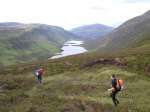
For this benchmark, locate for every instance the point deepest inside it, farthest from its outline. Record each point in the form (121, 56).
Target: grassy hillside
(130, 34)
(78, 84)
(27, 42)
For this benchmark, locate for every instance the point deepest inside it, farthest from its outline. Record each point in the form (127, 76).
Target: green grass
(9, 56)
(68, 86)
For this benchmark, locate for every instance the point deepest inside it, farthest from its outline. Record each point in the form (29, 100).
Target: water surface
(71, 48)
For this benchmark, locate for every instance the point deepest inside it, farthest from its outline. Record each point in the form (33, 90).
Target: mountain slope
(92, 31)
(26, 42)
(133, 33)
(77, 84)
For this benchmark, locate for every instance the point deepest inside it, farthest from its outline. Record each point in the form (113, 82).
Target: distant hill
(135, 33)
(25, 42)
(11, 25)
(92, 31)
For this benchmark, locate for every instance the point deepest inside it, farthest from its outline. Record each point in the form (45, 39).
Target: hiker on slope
(116, 87)
(39, 73)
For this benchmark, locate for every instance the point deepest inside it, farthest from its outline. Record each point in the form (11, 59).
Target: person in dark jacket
(114, 90)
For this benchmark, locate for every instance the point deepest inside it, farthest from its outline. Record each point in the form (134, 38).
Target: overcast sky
(71, 13)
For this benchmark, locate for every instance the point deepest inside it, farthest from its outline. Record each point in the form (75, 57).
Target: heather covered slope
(28, 42)
(78, 83)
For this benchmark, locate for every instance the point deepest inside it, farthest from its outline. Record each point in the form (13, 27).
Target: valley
(23, 43)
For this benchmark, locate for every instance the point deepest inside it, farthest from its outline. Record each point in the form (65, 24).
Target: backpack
(119, 84)
(41, 71)
(36, 73)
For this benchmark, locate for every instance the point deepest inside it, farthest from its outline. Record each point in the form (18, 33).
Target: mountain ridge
(92, 31)
(129, 34)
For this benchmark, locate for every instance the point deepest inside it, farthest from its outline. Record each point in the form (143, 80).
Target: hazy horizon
(72, 13)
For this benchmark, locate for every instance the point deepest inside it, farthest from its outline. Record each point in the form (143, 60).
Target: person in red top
(40, 74)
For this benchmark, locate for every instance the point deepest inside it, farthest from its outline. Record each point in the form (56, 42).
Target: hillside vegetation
(133, 33)
(78, 84)
(28, 42)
